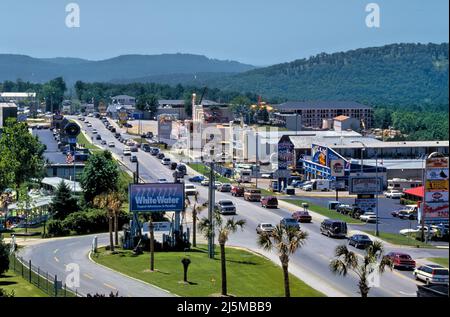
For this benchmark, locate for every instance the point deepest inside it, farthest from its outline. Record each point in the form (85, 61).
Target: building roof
(416, 191)
(55, 181)
(341, 118)
(122, 97)
(171, 102)
(375, 143)
(303, 105)
(18, 94)
(8, 105)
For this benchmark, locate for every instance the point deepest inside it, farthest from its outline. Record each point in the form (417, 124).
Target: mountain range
(396, 74)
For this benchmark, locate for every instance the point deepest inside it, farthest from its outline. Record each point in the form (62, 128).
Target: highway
(310, 263)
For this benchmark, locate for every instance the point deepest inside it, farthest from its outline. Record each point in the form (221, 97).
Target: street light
(377, 232)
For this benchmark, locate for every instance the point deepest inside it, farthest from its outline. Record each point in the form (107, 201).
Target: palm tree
(112, 202)
(286, 240)
(373, 262)
(223, 229)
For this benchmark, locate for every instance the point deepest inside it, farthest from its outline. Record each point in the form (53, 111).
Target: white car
(111, 144)
(126, 151)
(308, 187)
(368, 217)
(165, 161)
(432, 274)
(190, 190)
(130, 143)
(94, 131)
(205, 182)
(89, 125)
(417, 231)
(393, 194)
(265, 228)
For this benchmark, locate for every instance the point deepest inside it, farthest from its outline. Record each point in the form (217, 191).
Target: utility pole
(377, 232)
(211, 199)
(152, 245)
(257, 159)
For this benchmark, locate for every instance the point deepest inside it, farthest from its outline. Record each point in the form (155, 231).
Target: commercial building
(7, 110)
(314, 112)
(17, 96)
(124, 100)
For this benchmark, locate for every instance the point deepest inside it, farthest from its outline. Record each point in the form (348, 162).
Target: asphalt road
(52, 153)
(310, 263)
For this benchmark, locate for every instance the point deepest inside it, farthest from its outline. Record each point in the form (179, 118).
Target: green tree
(100, 175)
(147, 102)
(4, 257)
(112, 202)
(63, 203)
(223, 230)
(240, 106)
(21, 154)
(53, 92)
(374, 262)
(286, 240)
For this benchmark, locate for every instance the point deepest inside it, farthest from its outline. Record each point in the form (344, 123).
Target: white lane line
(56, 259)
(56, 250)
(407, 294)
(109, 286)
(88, 276)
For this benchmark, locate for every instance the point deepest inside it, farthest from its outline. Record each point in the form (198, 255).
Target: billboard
(437, 196)
(437, 162)
(165, 126)
(436, 210)
(319, 154)
(365, 185)
(285, 154)
(157, 226)
(432, 185)
(437, 174)
(435, 206)
(156, 197)
(366, 204)
(337, 168)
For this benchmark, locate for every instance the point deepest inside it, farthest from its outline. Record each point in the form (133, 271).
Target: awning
(416, 191)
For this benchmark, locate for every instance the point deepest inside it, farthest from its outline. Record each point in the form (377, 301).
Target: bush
(56, 228)
(78, 222)
(4, 257)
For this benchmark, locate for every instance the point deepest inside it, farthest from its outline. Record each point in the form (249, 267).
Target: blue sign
(156, 197)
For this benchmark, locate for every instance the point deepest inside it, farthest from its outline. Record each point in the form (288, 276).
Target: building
(87, 108)
(17, 96)
(124, 100)
(172, 107)
(290, 121)
(342, 123)
(113, 111)
(314, 112)
(7, 110)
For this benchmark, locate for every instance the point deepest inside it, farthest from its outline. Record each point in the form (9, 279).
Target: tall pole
(377, 232)
(152, 245)
(257, 159)
(422, 205)
(210, 211)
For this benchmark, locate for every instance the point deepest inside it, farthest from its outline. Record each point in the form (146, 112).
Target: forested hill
(397, 74)
(26, 68)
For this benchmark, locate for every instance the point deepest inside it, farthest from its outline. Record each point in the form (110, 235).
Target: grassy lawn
(440, 261)
(248, 274)
(10, 281)
(22, 230)
(324, 211)
(400, 239)
(81, 139)
(204, 170)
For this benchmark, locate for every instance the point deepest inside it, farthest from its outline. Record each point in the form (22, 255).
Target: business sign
(337, 168)
(437, 174)
(436, 210)
(165, 126)
(319, 154)
(123, 115)
(437, 196)
(365, 185)
(156, 197)
(439, 185)
(157, 227)
(367, 204)
(437, 162)
(285, 154)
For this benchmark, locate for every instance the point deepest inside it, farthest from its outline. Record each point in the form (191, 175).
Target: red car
(302, 216)
(269, 202)
(402, 260)
(237, 191)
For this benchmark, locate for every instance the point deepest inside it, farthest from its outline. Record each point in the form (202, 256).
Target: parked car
(401, 260)
(393, 194)
(196, 179)
(307, 187)
(98, 137)
(94, 131)
(205, 182)
(190, 190)
(333, 228)
(404, 214)
(126, 151)
(146, 147)
(289, 223)
(133, 158)
(181, 168)
(116, 135)
(173, 165)
(360, 241)
(224, 188)
(368, 217)
(302, 216)
(103, 142)
(111, 144)
(217, 185)
(162, 180)
(154, 151)
(252, 194)
(265, 228)
(226, 207)
(237, 191)
(269, 202)
(160, 156)
(432, 274)
(165, 161)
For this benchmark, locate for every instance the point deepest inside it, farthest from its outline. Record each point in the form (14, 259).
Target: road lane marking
(56, 250)
(413, 280)
(56, 259)
(407, 294)
(88, 276)
(110, 286)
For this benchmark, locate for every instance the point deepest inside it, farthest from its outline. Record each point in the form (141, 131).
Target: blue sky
(259, 32)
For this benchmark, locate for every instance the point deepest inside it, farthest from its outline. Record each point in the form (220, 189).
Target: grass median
(440, 261)
(249, 274)
(324, 211)
(204, 170)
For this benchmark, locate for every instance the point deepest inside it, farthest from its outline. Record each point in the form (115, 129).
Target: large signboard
(337, 168)
(435, 206)
(365, 185)
(165, 126)
(366, 204)
(319, 154)
(285, 154)
(156, 197)
(157, 227)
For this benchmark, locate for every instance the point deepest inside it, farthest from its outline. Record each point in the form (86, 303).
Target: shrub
(4, 257)
(56, 228)
(78, 222)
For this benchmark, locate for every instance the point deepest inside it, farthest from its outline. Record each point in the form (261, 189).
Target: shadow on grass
(7, 283)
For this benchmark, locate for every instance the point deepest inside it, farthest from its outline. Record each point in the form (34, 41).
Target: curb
(130, 277)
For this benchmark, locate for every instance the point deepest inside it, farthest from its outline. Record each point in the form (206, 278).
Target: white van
(244, 176)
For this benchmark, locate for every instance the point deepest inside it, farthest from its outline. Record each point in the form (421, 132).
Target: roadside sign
(437, 162)
(437, 174)
(365, 185)
(157, 226)
(436, 196)
(367, 204)
(435, 185)
(156, 197)
(436, 210)
(337, 168)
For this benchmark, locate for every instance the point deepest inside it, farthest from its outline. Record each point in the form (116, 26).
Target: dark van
(334, 228)
(182, 169)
